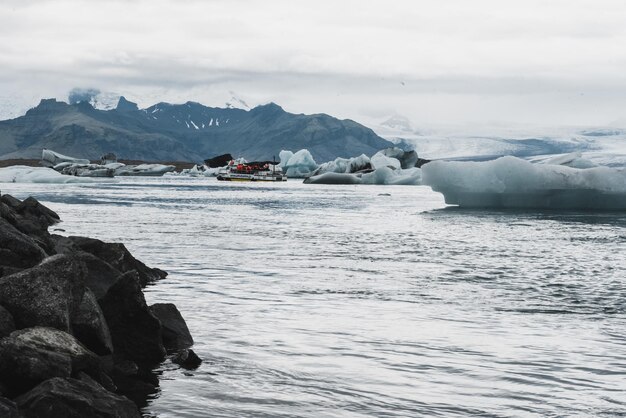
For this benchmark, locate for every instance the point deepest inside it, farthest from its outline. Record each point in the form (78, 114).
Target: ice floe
(24, 174)
(301, 164)
(510, 182)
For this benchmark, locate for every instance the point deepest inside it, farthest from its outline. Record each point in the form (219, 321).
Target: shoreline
(77, 337)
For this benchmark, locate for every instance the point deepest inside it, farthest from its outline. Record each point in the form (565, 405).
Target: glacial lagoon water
(354, 301)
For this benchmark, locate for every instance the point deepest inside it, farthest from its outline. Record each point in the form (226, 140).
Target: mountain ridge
(188, 132)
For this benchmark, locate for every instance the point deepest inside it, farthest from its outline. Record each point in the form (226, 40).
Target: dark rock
(10, 201)
(53, 340)
(187, 359)
(90, 327)
(7, 325)
(8, 408)
(22, 366)
(7, 214)
(136, 388)
(100, 274)
(34, 220)
(72, 398)
(176, 335)
(16, 249)
(219, 161)
(31, 207)
(421, 161)
(135, 331)
(113, 253)
(45, 295)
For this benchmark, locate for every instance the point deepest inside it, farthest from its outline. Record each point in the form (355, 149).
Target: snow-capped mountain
(180, 132)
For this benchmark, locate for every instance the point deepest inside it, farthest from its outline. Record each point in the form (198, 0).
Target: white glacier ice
(50, 158)
(510, 182)
(345, 165)
(301, 164)
(380, 160)
(24, 174)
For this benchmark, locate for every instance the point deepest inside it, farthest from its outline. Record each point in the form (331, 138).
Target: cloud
(330, 56)
(77, 95)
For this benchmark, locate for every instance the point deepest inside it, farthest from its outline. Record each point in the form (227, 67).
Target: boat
(252, 171)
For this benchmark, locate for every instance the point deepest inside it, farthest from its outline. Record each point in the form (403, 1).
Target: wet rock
(8, 408)
(176, 335)
(53, 340)
(187, 359)
(7, 325)
(137, 388)
(100, 274)
(31, 208)
(45, 295)
(72, 398)
(135, 331)
(114, 254)
(22, 366)
(17, 249)
(90, 327)
(10, 201)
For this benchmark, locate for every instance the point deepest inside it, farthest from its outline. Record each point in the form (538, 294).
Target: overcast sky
(543, 62)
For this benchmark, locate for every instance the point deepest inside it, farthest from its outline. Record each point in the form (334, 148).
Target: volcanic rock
(45, 295)
(176, 335)
(72, 398)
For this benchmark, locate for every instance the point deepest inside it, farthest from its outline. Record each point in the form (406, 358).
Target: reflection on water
(314, 301)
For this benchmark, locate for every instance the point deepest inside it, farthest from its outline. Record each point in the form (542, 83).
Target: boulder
(100, 274)
(135, 331)
(53, 340)
(114, 254)
(7, 325)
(72, 398)
(34, 220)
(8, 408)
(23, 366)
(176, 335)
(187, 359)
(90, 327)
(17, 249)
(10, 201)
(45, 295)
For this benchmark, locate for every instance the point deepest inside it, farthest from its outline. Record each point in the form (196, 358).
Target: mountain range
(180, 132)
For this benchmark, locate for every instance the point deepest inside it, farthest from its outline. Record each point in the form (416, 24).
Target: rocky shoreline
(77, 338)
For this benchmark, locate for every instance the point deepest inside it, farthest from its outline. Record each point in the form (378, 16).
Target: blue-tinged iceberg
(510, 182)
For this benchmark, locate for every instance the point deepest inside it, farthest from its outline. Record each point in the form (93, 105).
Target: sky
(483, 62)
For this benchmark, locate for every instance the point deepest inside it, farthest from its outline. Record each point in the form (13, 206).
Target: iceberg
(50, 158)
(301, 164)
(144, 170)
(24, 174)
(391, 166)
(333, 178)
(345, 165)
(510, 182)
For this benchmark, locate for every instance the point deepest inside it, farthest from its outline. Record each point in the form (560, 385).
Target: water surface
(353, 301)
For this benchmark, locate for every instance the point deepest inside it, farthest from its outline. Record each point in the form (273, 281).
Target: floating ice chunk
(301, 164)
(24, 174)
(380, 160)
(345, 165)
(510, 182)
(144, 170)
(407, 159)
(50, 158)
(333, 178)
(386, 175)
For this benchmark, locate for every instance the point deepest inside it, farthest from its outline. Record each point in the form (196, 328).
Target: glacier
(511, 182)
